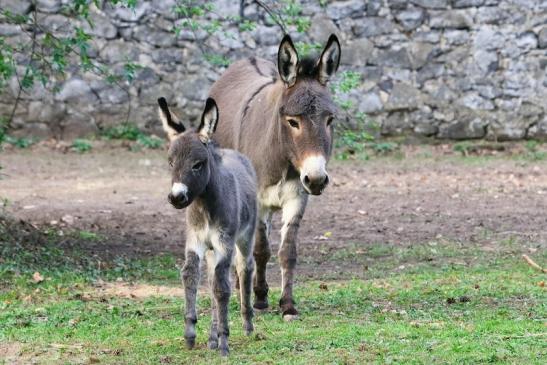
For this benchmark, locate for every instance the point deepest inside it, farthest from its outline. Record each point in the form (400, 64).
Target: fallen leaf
(37, 278)
(323, 286)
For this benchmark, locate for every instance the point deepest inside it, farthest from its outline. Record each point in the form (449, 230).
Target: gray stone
(488, 91)
(194, 88)
(373, 7)
(343, 9)
(165, 8)
(369, 27)
(491, 15)
(391, 58)
(488, 38)
(419, 54)
(486, 61)
(430, 37)
(431, 4)
(527, 41)
(16, 6)
(38, 111)
(370, 103)
(59, 24)
(472, 129)
(474, 101)
(542, 38)
(397, 4)
(48, 6)
(167, 55)
(119, 51)
(146, 77)
(268, 36)
(459, 19)
(77, 91)
(102, 26)
(9, 29)
(78, 125)
(37, 131)
(507, 127)
(411, 18)
(131, 15)
(456, 37)
(149, 95)
(109, 94)
(538, 130)
(152, 36)
(430, 71)
(466, 3)
(321, 28)
(357, 52)
(403, 96)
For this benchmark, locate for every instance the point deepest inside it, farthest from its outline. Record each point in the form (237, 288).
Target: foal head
(306, 111)
(189, 153)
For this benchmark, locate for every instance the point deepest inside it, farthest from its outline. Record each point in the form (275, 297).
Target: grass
(452, 310)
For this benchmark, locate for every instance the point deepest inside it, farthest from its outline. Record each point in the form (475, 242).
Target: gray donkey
(219, 188)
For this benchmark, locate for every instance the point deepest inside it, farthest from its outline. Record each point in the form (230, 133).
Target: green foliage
(151, 142)
(125, 131)
(19, 142)
(462, 147)
(384, 148)
(534, 152)
(81, 145)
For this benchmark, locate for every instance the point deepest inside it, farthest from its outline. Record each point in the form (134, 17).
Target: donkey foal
(219, 188)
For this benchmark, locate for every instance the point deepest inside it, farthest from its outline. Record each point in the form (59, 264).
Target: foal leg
(245, 268)
(293, 210)
(262, 253)
(190, 279)
(212, 343)
(221, 288)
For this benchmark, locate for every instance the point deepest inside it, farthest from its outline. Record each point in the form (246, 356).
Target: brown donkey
(281, 118)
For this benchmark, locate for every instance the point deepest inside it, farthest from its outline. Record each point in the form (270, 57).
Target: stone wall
(443, 68)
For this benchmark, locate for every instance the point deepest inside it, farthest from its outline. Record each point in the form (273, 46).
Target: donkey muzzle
(313, 175)
(178, 197)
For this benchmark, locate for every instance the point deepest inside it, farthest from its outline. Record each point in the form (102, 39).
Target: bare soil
(420, 197)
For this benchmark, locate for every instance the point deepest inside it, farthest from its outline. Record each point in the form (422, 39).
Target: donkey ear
(329, 60)
(171, 124)
(287, 61)
(209, 120)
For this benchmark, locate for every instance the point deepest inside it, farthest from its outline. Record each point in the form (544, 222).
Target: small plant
(462, 147)
(534, 152)
(81, 145)
(126, 131)
(86, 235)
(152, 142)
(19, 142)
(384, 148)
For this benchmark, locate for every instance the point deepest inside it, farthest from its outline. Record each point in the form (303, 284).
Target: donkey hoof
(212, 344)
(261, 305)
(224, 351)
(248, 329)
(190, 342)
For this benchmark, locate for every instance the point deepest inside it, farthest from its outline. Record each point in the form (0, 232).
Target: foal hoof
(190, 342)
(224, 351)
(212, 344)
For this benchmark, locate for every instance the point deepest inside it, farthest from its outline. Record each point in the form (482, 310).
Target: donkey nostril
(326, 180)
(306, 179)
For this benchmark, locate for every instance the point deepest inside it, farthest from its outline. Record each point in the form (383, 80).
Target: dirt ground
(425, 196)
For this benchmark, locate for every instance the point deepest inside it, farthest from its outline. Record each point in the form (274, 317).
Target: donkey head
(307, 110)
(189, 153)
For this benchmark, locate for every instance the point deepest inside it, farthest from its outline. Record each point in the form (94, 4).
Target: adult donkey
(281, 118)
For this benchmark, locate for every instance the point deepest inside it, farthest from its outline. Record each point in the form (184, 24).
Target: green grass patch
(459, 306)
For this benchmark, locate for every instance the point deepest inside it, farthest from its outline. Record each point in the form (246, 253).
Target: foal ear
(209, 120)
(287, 61)
(171, 124)
(329, 60)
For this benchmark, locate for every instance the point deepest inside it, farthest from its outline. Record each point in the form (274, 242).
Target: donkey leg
(245, 269)
(190, 278)
(212, 343)
(221, 289)
(262, 253)
(293, 210)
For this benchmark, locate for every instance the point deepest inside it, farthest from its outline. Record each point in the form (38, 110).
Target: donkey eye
(330, 120)
(293, 123)
(198, 165)
(170, 163)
